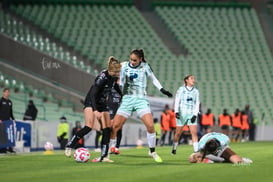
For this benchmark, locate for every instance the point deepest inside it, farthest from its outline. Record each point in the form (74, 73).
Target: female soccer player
(213, 147)
(186, 108)
(133, 81)
(95, 105)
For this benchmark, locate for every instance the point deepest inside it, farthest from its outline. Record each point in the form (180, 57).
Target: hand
(166, 92)
(193, 119)
(177, 115)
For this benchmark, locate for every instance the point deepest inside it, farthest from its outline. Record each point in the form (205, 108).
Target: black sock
(119, 136)
(105, 142)
(78, 136)
(152, 150)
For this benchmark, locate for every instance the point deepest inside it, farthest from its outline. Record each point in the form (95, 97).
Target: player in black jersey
(114, 100)
(95, 105)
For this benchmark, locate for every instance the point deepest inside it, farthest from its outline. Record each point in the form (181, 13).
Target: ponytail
(139, 53)
(113, 64)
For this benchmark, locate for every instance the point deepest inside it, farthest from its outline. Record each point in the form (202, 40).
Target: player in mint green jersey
(133, 82)
(186, 108)
(214, 147)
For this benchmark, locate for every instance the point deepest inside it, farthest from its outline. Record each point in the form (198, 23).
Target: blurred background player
(114, 100)
(62, 132)
(224, 121)
(6, 113)
(252, 125)
(157, 131)
(31, 111)
(208, 121)
(236, 126)
(172, 126)
(164, 124)
(186, 109)
(244, 127)
(95, 105)
(133, 81)
(215, 147)
(77, 128)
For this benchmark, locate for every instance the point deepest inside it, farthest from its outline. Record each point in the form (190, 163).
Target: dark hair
(186, 77)
(211, 147)
(139, 53)
(5, 89)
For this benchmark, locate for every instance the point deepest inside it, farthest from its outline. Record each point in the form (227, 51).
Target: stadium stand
(20, 32)
(50, 108)
(228, 52)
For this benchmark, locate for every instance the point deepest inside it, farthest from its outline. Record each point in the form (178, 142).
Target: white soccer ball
(81, 155)
(48, 146)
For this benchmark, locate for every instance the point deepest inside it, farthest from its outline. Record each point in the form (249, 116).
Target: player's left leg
(151, 135)
(193, 130)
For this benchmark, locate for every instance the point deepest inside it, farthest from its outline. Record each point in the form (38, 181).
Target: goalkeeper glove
(193, 119)
(166, 92)
(177, 115)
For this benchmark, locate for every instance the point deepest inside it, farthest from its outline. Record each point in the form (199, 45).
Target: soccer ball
(81, 155)
(48, 146)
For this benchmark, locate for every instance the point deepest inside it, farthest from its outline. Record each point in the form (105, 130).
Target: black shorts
(101, 105)
(224, 127)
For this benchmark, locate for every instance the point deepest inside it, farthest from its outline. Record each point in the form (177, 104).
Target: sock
(175, 144)
(105, 142)
(151, 139)
(195, 146)
(119, 136)
(112, 143)
(78, 136)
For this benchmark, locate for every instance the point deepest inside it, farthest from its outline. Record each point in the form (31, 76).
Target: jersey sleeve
(177, 99)
(197, 103)
(122, 76)
(152, 77)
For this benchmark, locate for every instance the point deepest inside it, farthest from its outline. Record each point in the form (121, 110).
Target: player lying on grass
(213, 147)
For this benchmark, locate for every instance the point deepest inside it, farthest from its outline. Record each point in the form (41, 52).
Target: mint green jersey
(187, 101)
(223, 139)
(133, 80)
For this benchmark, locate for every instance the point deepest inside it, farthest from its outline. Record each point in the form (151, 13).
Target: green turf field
(135, 165)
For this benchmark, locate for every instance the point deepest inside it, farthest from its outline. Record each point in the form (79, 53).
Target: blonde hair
(113, 64)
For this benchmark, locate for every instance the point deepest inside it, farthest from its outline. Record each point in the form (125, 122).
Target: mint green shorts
(130, 104)
(185, 119)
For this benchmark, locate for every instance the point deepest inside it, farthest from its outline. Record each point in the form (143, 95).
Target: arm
(177, 100)
(156, 83)
(197, 104)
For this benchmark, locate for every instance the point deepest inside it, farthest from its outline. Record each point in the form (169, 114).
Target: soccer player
(186, 108)
(95, 105)
(114, 100)
(133, 81)
(213, 147)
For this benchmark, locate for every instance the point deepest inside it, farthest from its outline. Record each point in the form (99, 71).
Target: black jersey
(6, 109)
(113, 102)
(100, 90)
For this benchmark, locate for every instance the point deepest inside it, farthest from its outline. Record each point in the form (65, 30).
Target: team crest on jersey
(133, 76)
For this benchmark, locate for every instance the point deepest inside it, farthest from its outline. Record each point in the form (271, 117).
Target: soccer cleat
(156, 157)
(114, 150)
(97, 150)
(247, 160)
(117, 152)
(173, 152)
(105, 159)
(67, 151)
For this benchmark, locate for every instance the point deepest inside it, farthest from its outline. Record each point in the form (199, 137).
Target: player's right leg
(118, 122)
(89, 121)
(176, 137)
